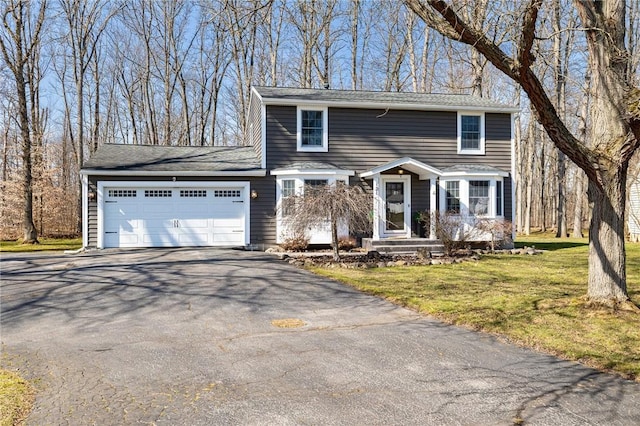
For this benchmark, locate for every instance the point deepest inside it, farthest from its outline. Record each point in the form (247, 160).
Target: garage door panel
(160, 217)
(194, 223)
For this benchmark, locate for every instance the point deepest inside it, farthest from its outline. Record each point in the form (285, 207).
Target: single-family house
(415, 152)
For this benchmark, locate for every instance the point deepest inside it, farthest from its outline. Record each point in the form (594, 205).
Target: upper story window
(470, 133)
(312, 129)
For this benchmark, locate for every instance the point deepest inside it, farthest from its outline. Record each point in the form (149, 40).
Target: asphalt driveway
(185, 337)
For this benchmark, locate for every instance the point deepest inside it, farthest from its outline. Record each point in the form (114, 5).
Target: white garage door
(174, 217)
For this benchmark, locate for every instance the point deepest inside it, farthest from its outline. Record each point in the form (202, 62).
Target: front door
(396, 196)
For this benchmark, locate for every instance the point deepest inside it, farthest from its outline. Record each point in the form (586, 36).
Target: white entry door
(396, 198)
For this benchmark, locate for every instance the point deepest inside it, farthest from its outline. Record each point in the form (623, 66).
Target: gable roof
(126, 159)
(361, 98)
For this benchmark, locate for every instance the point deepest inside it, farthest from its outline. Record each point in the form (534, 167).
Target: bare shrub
(298, 243)
(500, 232)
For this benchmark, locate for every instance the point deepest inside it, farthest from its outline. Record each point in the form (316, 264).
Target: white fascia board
(93, 172)
(85, 210)
(304, 172)
(383, 105)
(487, 174)
(423, 170)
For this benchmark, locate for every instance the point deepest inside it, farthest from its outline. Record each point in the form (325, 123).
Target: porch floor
(402, 245)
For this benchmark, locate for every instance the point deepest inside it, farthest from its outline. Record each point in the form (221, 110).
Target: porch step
(408, 246)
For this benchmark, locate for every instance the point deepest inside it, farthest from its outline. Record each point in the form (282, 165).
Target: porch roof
(424, 171)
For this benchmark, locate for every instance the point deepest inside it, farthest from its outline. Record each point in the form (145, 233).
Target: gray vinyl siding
(361, 139)
(255, 125)
(262, 217)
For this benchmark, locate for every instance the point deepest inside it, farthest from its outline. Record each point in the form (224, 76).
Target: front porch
(402, 245)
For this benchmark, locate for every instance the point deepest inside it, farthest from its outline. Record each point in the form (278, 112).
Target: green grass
(46, 244)
(16, 398)
(536, 301)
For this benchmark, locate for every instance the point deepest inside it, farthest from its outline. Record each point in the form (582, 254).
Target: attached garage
(170, 196)
(155, 214)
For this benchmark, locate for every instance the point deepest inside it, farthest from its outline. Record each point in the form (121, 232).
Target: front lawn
(16, 398)
(45, 245)
(536, 301)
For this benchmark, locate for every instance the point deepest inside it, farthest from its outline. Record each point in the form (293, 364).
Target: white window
(312, 129)
(288, 191)
(479, 197)
(472, 197)
(452, 197)
(471, 133)
(295, 184)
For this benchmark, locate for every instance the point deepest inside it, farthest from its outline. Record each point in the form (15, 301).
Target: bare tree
(20, 45)
(615, 118)
(336, 204)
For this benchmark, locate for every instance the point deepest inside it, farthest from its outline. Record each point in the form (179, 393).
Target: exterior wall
(361, 139)
(262, 209)
(254, 135)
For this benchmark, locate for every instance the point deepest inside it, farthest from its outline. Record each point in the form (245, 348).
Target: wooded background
(179, 73)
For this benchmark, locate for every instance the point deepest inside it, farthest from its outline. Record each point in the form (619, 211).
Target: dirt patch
(288, 323)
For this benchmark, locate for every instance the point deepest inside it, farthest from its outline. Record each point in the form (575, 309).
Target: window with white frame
(288, 191)
(471, 133)
(312, 129)
(479, 197)
(452, 198)
(290, 185)
(473, 197)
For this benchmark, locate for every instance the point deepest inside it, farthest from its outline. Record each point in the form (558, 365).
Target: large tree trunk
(607, 276)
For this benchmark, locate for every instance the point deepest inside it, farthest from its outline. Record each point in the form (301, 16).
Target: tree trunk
(607, 276)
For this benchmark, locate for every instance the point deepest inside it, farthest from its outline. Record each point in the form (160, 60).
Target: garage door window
(193, 192)
(227, 193)
(117, 193)
(157, 193)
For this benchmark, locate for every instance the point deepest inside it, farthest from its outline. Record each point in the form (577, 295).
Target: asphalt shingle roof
(422, 100)
(154, 158)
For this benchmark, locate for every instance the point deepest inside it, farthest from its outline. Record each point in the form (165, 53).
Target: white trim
(512, 179)
(387, 105)
(474, 174)
(325, 128)
(85, 210)
(263, 135)
(424, 171)
(464, 194)
(299, 182)
(245, 185)
(305, 172)
(481, 149)
(406, 180)
(260, 172)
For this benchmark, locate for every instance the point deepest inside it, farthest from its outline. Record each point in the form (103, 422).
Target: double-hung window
(472, 197)
(452, 199)
(288, 191)
(479, 197)
(470, 133)
(312, 129)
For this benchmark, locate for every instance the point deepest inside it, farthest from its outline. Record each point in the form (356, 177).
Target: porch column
(376, 207)
(432, 208)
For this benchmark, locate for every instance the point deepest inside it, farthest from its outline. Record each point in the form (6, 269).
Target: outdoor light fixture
(92, 195)
(254, 194)
(400, 172)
